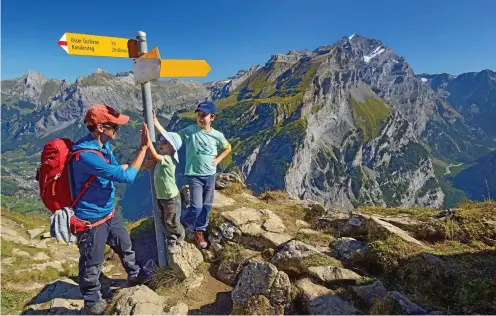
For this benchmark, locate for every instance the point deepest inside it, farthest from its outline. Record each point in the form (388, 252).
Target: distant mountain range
(346, 124)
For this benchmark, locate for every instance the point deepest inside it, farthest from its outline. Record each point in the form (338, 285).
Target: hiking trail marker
(94, 45)
(147, 67)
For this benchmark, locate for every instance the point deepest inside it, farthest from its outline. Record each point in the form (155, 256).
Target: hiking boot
(200, 239)
(94, 308)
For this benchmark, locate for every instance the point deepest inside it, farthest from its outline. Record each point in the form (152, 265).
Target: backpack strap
(88, 183)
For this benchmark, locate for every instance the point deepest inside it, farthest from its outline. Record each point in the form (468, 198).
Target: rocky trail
(273, 255)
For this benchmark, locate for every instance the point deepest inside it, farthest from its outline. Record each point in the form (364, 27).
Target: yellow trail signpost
(147, 67)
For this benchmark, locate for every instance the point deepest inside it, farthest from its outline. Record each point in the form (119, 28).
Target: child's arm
(223, 154)
(157, 124)
(151, 150)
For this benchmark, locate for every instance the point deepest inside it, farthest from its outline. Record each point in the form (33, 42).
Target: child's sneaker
(173, 247)
(200, 239)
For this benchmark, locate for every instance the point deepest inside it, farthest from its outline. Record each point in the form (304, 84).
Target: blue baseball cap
(207, 107)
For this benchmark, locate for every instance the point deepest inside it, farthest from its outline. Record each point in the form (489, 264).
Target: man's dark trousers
(92, 250)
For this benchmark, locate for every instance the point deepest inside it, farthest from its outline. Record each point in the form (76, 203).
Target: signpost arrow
(94, 45)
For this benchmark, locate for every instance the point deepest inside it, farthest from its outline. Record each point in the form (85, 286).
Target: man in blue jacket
(98, 202)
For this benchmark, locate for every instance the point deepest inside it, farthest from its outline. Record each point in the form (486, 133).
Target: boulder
(225, 180)
(243, 216)
(46, 235)
(274, 224)
(228, 271)
(408, 306)
(227, 230)
(302, 224)
(261, 279)
(291, 256)
(314, 210)
(348, 248)
(395, 231)
(138, 300)
(35, 232)
(179, 309)
(355, 227)
(332, 274)
(368, 293)
(274, 240)
(318, 300)
(250, 197)
(20, 253)
(220, 200)
(186, 260)
(61, 297)
(41, 256)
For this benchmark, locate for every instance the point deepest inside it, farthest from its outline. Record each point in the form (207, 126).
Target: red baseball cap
(101, 113)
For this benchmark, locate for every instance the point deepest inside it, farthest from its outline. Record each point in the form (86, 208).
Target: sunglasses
(111, 125)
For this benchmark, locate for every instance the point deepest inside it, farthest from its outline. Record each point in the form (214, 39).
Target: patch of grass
(316, 240)
(162, 277)
(214, 219)
(235, 188)
(365, 280)
(141, 227)
(12, 302)
(274, 196)
(8, 246)
(232, 252)
(417, 213)
(28, 221)
(318, 259)
(386, 306)
(369, 116)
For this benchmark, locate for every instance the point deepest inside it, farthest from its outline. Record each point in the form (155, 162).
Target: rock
(430, 258)
(179, 309)
(8, 260)
(41, 256)
(229, 271)
(354, 227)
(274, 240)
(227, 230)
(256, 305)
(61, 297)
(331, 274)
(280, 291)
(406, 223)
(290, 257)
(225, 180)
(368, 293)
(16, 239)
(35, 232)
(186, 260)
(268, 253)
(408, 306)
(250, 197)
(5, 230)
(319, 300)
(302, 224)
(348, 248)
(220, 200)
(20, 253)
(242, 216)
(215, 240)
(251, 229)
(193, 282)
(138, 300)
(46, 235)
(332, 222)
(261, 278)
(256, 278)
(107, 268)
(208, 255)
(274, 224)
(396, 231)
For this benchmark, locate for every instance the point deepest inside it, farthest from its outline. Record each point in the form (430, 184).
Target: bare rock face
(138, 300)
(186, 260)
(262, 279)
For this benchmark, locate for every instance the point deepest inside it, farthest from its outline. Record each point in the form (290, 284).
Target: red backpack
(54, 182)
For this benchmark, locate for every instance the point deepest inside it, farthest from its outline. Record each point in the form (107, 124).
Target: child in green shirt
(166, 191)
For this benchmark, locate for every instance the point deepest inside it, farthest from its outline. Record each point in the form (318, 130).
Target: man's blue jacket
(99, 200)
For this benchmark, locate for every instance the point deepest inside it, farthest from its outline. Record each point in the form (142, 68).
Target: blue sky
(435, 36)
